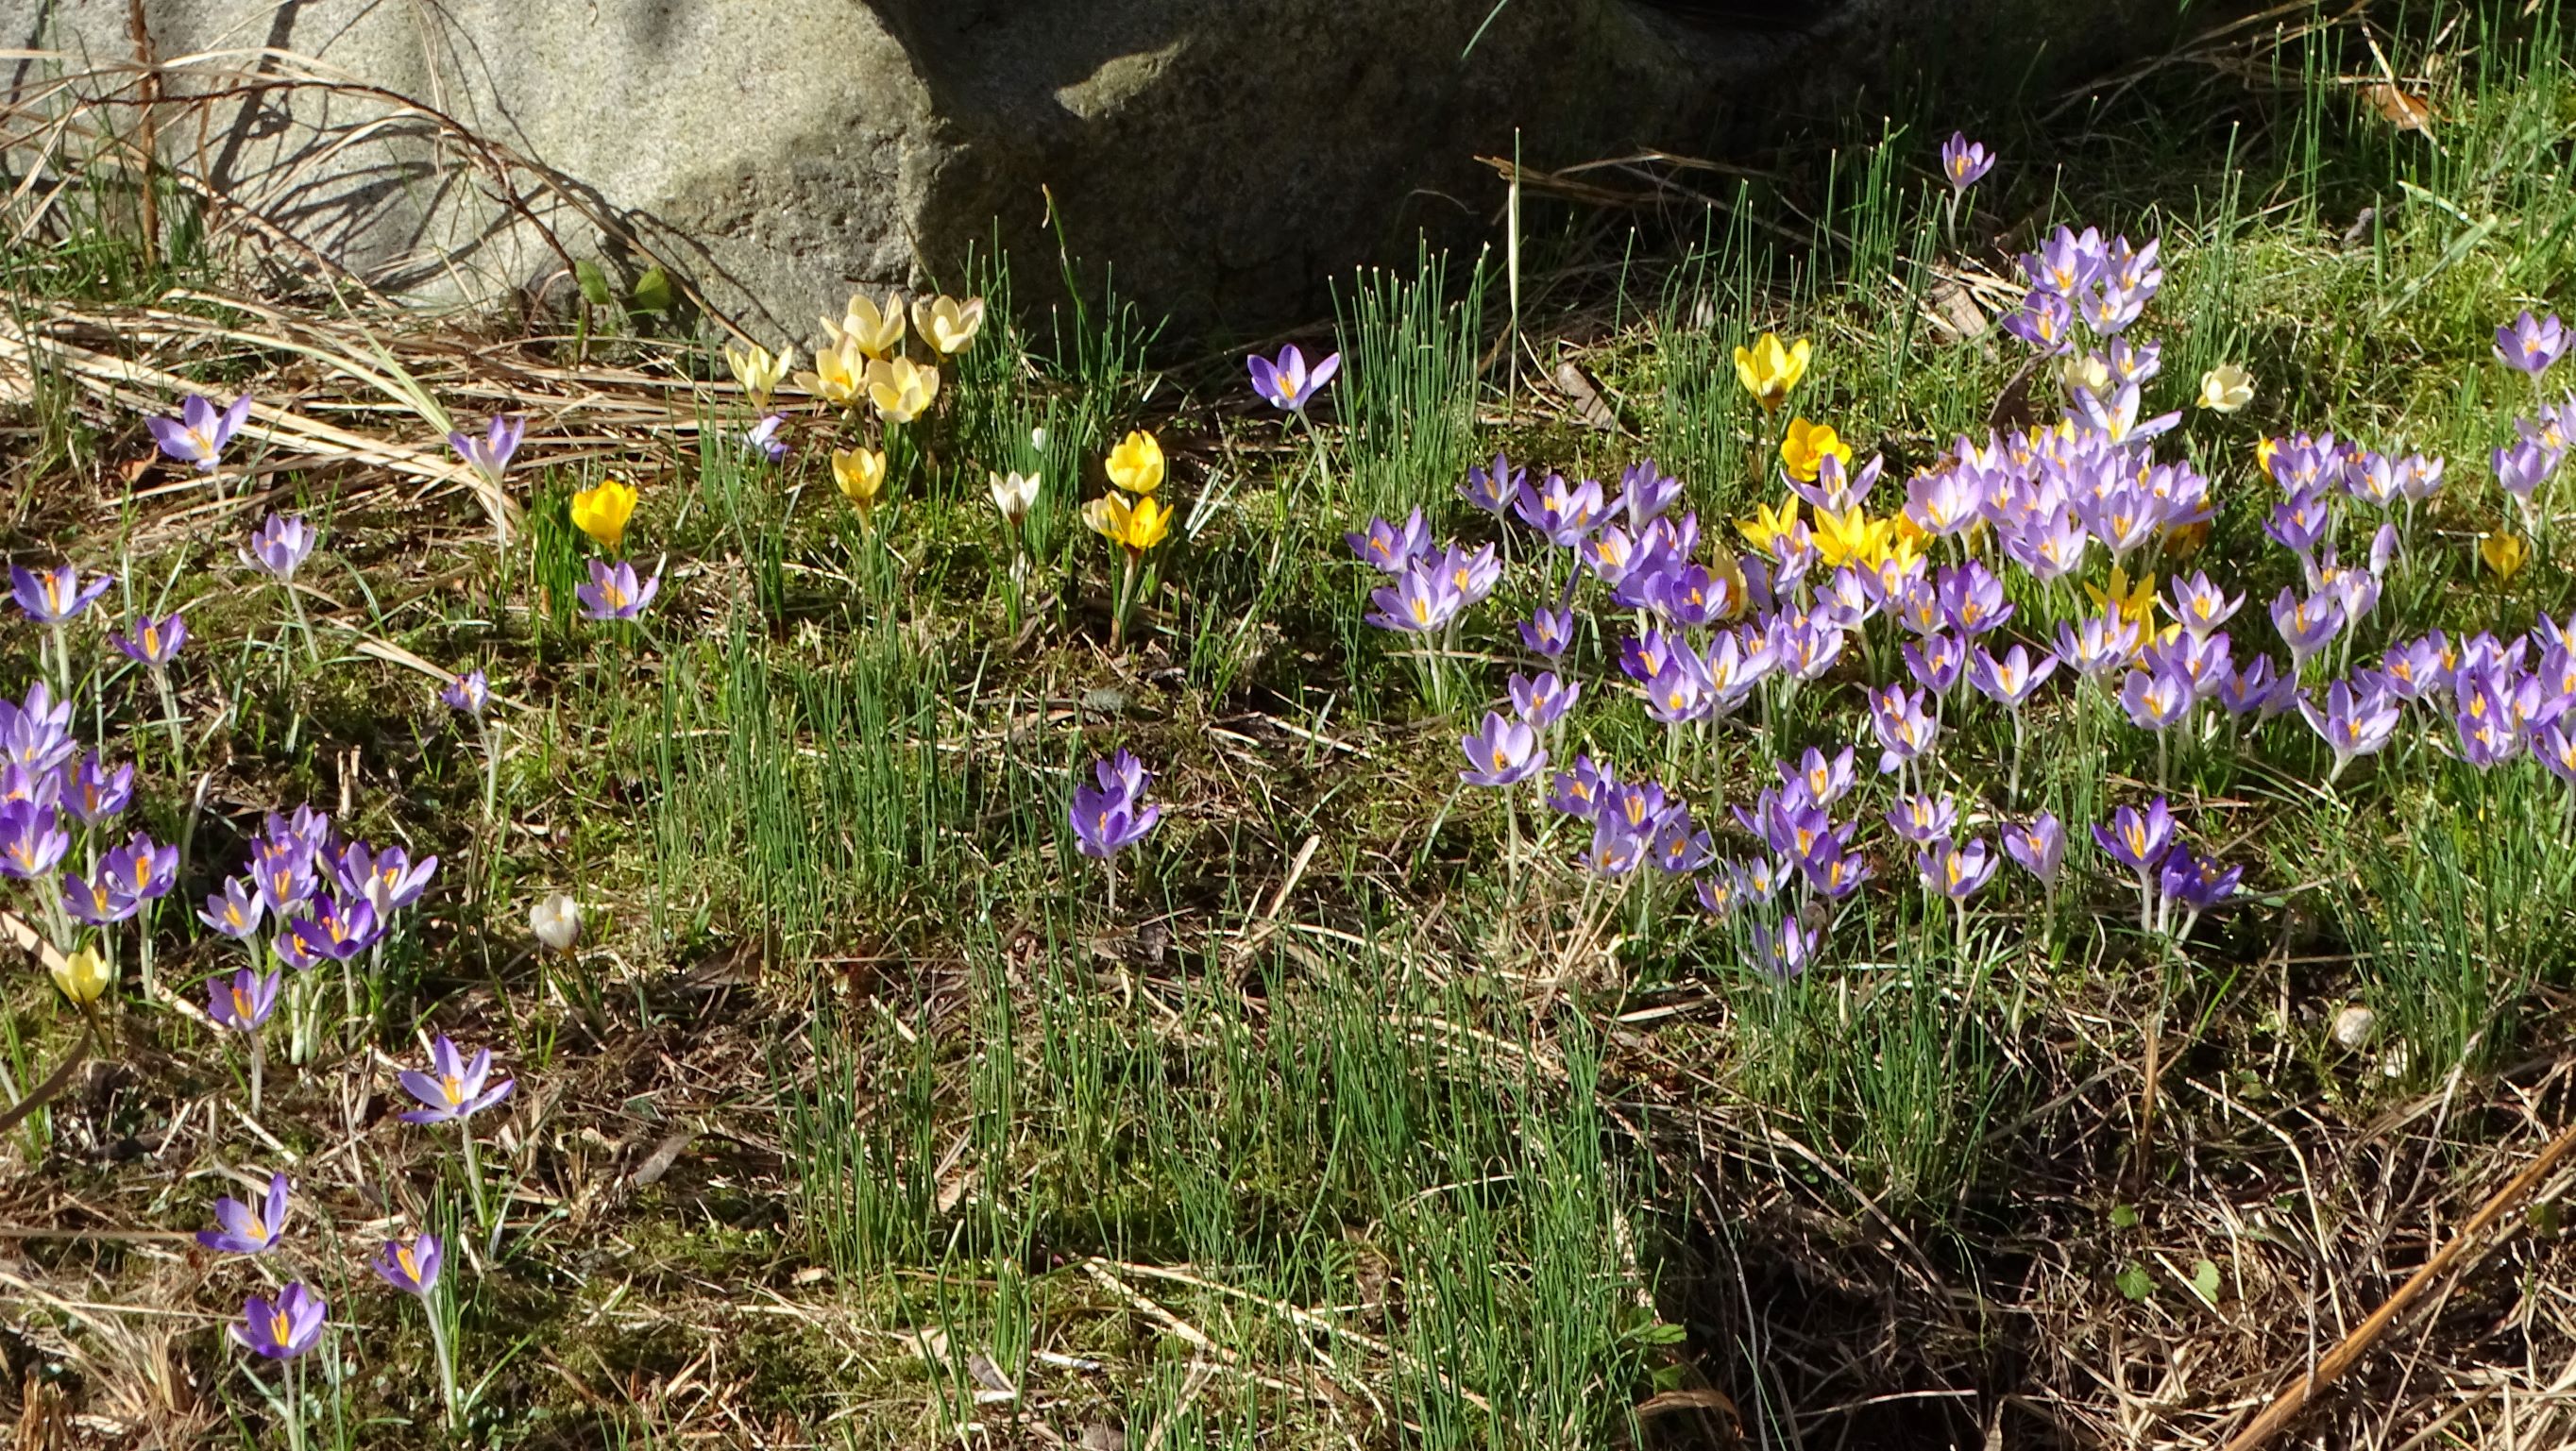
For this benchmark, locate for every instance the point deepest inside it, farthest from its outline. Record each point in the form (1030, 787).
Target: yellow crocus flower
(1768, 524)
(2503, 553)
(901, 389)
(1842, 538)
(602, 511)
(947, 324)
(758, 370)
(2264, 448)
(1136, 464)
(1148, 523)
(861, 474)
(840, 373)
(2136, 602)
(1768, 371)
(1803, 450)
(873, 330)
(84, 976)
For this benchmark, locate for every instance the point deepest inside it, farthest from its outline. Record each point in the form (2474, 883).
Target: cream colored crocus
(1136, 464)
(860, 473)
(758, 370)
(947, 324)
(84, 977)
(2087, 373)
(901, 389)
(556, 921)
(1014, 494)
(874, 329)
(840, 373)
(2226, 388)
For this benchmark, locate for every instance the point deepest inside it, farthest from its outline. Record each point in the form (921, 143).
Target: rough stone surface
(1224, 156)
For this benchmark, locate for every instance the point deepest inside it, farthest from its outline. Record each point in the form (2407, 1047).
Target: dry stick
(149, 84)
(2294, 1397)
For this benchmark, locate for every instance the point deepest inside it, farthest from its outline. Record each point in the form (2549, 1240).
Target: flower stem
(491, 770)
(63, 658)
(170, 716)
(446, 1360)
(258, 1062)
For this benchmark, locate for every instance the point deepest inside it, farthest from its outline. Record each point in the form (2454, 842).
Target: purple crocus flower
(2530, 345)
(411, 1268)
(2011, 681)
(762, 437)
(614, 593)
(54, 596)
(2198, 661)
(2039, 846)
(2138, 839)
(280, 546)
(329, 930)
(2197, 884)
(454, 1088)
(1579, 792)
(1547, 632)
(2097, 644)
(153, 642)
(2416, 668)
(2306, 625)
(236, 910)
(1936, 662)
(2257, 689)
(283, 871)
(1493, 489)
(244, 1229)
(2200, 606)
(469, 693)
(1905, 732)
(32, 840)
(1505, 753)
(2298, 522)
(2044, 320)
(1923, 819)
(2521, 469)
(2484, 719)
(2352, 723)
(1421, 601)
(1123, 775)
(1617, 848)
(1823, 779)
(198, 435)
(1288, 383)
(1108, 822)
(1640, 806)
(2556, 750)
(243, 1001)
(1645, 492)
(1963, 161)
(1972, 598)
(1389, 549)
(1782, 951)
(490, 454)
(94, 794)
(387, 880)
(1833, 872)
(96, 903)
(284, 1329)
(1945, 502)
(1718, 892)
(1543, 700)
(1563, 512)
(2155, 700)
(1956, 872)
(1679, 847)
(143, 869)
(37, 734)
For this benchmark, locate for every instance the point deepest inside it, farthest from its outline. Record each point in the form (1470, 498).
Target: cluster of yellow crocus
(861, 358)
(2135, 600)
(1850, 537)
(602, 510)
(1135, 466)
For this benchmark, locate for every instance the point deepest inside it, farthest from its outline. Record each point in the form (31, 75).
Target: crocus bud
(84, 976)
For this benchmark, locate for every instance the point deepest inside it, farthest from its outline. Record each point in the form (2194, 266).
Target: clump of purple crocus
(1112, 815)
